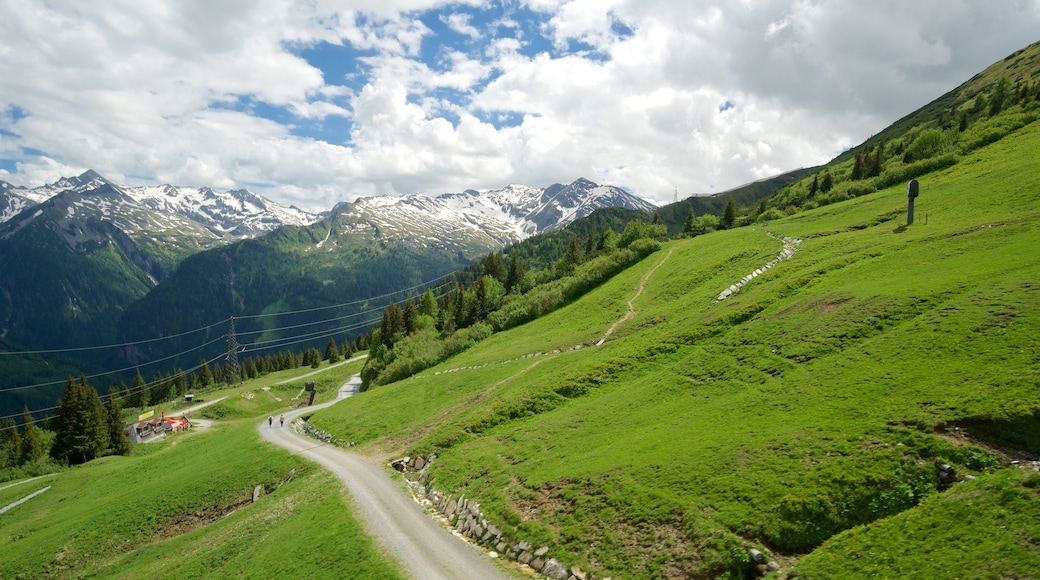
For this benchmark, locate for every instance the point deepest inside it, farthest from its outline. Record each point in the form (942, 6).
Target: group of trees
(504, 293)
(19, 449)
(84, 427)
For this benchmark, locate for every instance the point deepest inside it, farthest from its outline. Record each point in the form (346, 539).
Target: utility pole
(233, 373)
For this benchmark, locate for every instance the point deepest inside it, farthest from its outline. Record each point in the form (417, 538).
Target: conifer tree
(410, 317)
(459, 314)
(392, 325)
(827, 183)
(874, 162)
(494, 266)
(815, 185)
(1000, 96)
(118, 443)
(857, 167)
(729, 215)
(81, 424)
(482, 300)
(138, 391)
(31, 449)
(204, 374)
(10, 443)
(516, 273)
(428, 304)
(571, 258)
(332, 351)
(687, 227)
(590, 244)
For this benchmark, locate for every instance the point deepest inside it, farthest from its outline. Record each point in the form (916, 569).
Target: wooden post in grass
(912, 190)
(309, 386)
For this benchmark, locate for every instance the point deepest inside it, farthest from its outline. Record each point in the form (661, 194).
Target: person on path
(281, 421)
(270, 421)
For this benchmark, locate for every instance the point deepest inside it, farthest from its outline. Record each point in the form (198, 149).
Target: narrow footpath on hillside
(423, 548)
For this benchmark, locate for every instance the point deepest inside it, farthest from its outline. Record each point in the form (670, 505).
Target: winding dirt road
(422, 546)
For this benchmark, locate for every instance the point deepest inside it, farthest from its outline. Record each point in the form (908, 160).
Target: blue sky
(311, 104)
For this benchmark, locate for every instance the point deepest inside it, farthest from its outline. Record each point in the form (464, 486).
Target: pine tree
(332, 351)
(459, 313)
(815, 185)
(204, 374)
(31, 450)
(495, 266)
(10, 443)
(138, 395)
(81, 424)
(571, 258)
(516, 274)
(590, 244)
(392, 325)
(482, 300)
(827, 183)
(656, 219)
(857, 167)
(118, 443)
(687, 227)
(873, 168)
(410, 316)
(428, 304)
(729, 215)
(1000, 97)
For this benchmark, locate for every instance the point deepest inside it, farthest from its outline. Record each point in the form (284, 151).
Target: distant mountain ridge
(235, 213)
(482, 221)
(80, 254)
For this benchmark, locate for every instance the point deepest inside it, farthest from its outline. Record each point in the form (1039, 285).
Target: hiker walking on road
(270, 421)
(281, 421)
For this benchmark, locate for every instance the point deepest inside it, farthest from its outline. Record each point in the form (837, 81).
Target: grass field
(182, 507)
(818, 399)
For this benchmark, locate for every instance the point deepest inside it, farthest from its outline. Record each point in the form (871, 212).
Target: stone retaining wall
(464, 517)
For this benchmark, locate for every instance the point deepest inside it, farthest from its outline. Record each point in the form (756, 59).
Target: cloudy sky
(311, 102)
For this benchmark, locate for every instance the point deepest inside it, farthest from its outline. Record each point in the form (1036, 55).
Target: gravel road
(424, 548)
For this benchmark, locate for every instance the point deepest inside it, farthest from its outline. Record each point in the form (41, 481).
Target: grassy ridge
(812, 401)
(183, 507)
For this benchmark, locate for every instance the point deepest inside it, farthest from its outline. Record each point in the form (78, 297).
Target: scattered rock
(756, 556)
(555, 569)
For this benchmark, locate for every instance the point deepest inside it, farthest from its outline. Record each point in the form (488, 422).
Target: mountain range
(85, 261)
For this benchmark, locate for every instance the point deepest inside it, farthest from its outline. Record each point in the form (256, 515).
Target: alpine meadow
(804, 385)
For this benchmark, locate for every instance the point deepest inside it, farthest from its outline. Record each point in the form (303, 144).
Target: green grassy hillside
(817, 399)
(182, 508)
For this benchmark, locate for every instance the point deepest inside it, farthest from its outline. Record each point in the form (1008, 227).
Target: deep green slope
(819, 397)
(323, 270)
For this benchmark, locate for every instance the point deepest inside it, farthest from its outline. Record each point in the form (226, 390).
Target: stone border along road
(422, 547)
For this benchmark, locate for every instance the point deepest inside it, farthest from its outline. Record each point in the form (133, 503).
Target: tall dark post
(309, 387)
(233, 372)
(911, 192)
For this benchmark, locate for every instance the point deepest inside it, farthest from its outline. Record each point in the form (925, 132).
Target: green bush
(929, 143)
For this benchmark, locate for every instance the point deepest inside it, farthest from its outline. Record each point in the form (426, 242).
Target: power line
(434, 283)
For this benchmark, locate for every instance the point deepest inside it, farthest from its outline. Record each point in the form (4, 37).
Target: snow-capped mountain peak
(476, 221)
(235, 213)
